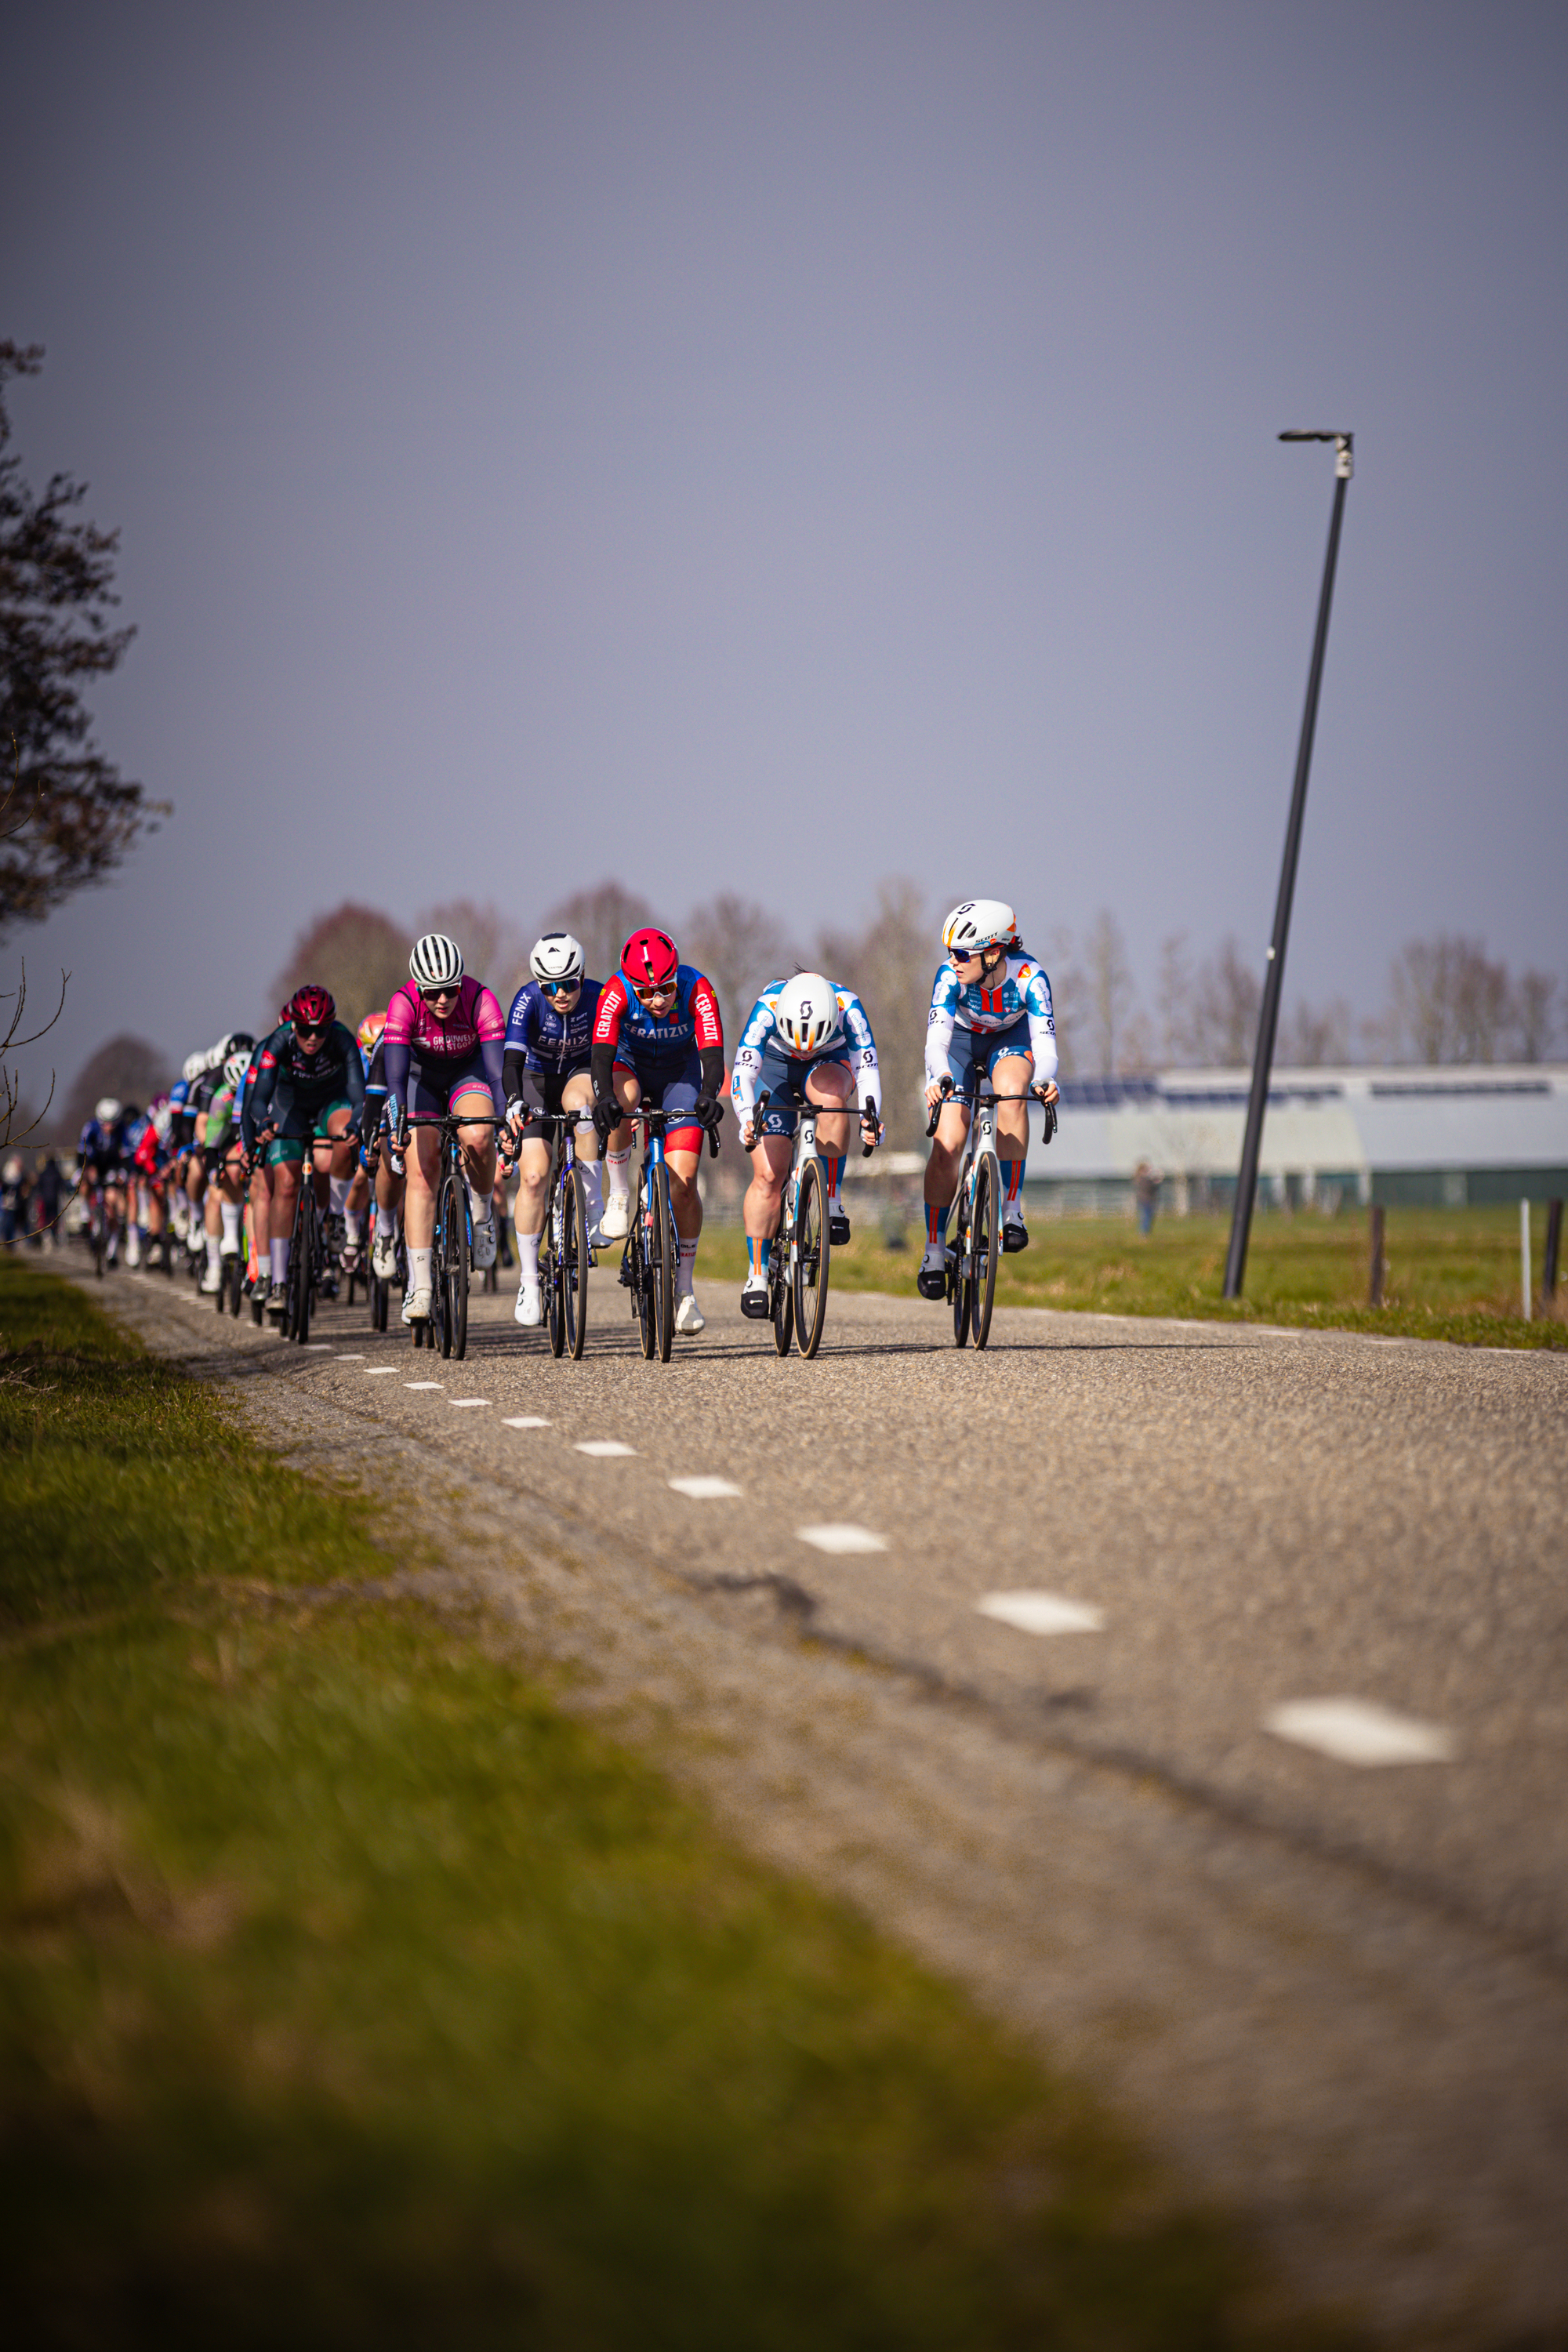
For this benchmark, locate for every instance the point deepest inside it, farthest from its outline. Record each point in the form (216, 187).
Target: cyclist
(659, 1039)
(223, 1153)
(307, 1091)
(379, 1158)
(443, 1053)
(806, 1040)
(990, 1010)
(102, 1154)
(545, 1070)
(204, 1077)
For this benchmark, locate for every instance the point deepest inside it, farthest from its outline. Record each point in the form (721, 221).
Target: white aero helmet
(235, 1068)
(557, 956)
(106, 1111)
(194, 1066)
(806, 1012)
(979, 924)
(436, 962)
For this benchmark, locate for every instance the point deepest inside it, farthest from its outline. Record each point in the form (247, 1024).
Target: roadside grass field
(356, 1994)
(1452, 1274)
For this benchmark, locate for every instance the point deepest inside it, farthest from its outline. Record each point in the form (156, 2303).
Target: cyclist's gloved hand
(706, 1111)
(606, 1117)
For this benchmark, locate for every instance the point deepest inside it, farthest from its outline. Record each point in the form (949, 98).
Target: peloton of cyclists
(990, 1011)
(546, 1070)
(658, 1040)
(806, 1040)
(443, 1050)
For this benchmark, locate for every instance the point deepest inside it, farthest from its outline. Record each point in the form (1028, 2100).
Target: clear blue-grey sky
(770, 447)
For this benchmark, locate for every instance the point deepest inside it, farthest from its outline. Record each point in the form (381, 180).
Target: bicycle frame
(653, 1243)
(452, 1241)
(565, 1257)
(976, 1209)
(801, 1255)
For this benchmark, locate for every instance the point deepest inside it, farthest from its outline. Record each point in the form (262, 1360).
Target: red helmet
(310, 1007)
(649, 959)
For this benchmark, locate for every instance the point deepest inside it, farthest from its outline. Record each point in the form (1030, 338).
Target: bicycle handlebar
(972, 1097)
(818, 1110)
(682, 1119)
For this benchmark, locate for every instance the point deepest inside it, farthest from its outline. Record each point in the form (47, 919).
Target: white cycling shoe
(484, 1244)
(212, 1282)
(383, 1258)
(417, 1306)
(530, 1309)
(616, 1222)
(688, 1317)
(133, 1252)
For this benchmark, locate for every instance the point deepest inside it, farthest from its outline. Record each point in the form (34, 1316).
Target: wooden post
(1374, 1290)
(1553, 1243)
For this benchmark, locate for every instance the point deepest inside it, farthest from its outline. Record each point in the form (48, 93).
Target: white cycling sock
(336, 1194)
(385, 1222)
(277, 1253)
(214, 1255)
(592, 1191)
(420, 1269)
(528, 1259)
(353, 1224)
(619, 1165)
(479, 1205)
(685, 1267)
(230, 1213)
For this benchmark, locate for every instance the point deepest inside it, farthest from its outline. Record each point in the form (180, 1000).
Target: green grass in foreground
(355, 1995)
(1453, 1274)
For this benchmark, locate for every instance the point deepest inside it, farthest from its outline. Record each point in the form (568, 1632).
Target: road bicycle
(307, 1255)
(452, 1242)
(652, 1253)
(974, 1242)
(801, 1255)
(564, 1256)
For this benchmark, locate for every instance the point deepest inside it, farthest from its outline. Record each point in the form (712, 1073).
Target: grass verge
(353, 1994)
(1453, 1274)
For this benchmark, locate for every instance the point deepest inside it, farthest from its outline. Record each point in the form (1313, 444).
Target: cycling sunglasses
(650, 995)
(561, 987)
(434, 995)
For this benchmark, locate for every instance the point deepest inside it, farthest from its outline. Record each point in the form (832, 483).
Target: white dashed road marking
(315, 1347)
(421, 1384)
(705, 1490)
(523, 1421)
(841, 1534)
(347, 1358)
(382, 1372)
(1354, 1731)
(603, 1447)
(459, 1403)
(1042, 1613)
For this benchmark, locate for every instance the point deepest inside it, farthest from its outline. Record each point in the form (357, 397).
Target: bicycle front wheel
(574, 1266)
(297, 1315)
(808, 1270)
(453, 1272)
(664, 1248)
(985, 1240)
(551, 1255)
(782, 1292)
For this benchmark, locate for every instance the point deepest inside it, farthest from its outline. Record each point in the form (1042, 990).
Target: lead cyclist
(991, 1010)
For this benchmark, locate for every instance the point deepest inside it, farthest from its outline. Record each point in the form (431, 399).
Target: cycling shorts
(783, 1079)
(982, 1049)
(298, 1127)
(542, 1091)
(436, 1084)
(669, 1083)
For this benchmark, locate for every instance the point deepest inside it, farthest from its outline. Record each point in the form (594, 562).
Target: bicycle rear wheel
(297, 1315)
(452, 1273)
(808, 1271)
(986, 1240)
(664, 1250)
(782, 1291)
(552, 1257)
(574, 1267)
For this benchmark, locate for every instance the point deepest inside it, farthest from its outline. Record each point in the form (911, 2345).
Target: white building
(1448, 1137)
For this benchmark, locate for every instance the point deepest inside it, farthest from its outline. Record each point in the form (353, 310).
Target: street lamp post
(1273, 979)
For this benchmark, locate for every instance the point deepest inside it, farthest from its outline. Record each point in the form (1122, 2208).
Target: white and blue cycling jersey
(762, 1043)
(1011, 1015)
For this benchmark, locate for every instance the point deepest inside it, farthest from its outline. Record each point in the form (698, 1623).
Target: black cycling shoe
(838, 1228)
(1014, 1239)
(755, 1303)
(931, 1282)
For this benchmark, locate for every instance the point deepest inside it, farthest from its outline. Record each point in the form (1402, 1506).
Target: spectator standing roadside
(48, 1190)
(1146, 1183)
(13, 1199)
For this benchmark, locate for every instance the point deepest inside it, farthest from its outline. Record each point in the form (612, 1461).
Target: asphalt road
(1332, 1992)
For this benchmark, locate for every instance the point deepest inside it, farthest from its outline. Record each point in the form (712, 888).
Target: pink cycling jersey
(475, 1020)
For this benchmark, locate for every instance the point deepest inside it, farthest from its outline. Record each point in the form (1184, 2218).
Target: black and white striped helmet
(436, 962)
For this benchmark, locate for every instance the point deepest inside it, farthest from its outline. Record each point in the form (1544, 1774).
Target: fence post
(1524, 1255)
(1374, 1289)
(1553, 1243)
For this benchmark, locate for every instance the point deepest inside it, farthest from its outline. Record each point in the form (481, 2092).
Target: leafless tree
(18, 1120)
(890, 965)
(741, 948)
(130, 1069)
(1227, 996)
(603, 918)
(1311, 1037)
(1535, 1015)
(495, 947)
(357, 952)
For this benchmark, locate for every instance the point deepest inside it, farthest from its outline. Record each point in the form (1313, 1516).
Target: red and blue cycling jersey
(636, 1034)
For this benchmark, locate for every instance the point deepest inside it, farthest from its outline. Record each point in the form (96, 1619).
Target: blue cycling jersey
(849, 1040)
(103, 1147)
(1018, 990)
(555, 1043)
